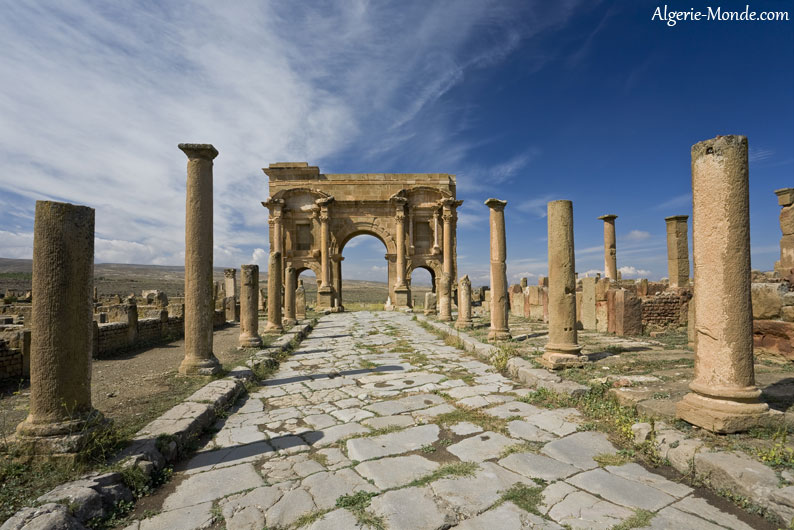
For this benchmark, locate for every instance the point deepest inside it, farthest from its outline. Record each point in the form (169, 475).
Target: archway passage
(313, 216)
(308, 280)
(363, 260)
(421, 280)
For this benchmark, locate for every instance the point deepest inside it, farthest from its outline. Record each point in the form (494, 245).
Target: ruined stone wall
(21, 310)
(10, 362)
(666, 309)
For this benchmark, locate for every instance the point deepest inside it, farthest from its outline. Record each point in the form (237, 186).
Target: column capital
(273, 204)
(324, 202)
(675, 218)
(229, 273)
(785, 196)
(399, 216)
(398, 201)
(608, 217)
(496, 204)
(200, 151)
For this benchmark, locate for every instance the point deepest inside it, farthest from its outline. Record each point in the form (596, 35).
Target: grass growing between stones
(475, 416)
(523, 447)
(415, 358)
(618, 459)
(526, 497)
(357, 504)
(640, 519)
(457, 469)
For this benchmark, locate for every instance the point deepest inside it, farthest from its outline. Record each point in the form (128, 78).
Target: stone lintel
(496, 204)
(202, 151)
(676, 218)
(785, 196)
(608, 217)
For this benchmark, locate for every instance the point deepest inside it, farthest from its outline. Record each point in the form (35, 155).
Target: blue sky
(524, 101)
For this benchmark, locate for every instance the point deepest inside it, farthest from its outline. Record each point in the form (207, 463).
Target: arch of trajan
(313, 215)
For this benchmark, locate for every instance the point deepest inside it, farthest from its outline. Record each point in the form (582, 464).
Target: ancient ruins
(440, 410)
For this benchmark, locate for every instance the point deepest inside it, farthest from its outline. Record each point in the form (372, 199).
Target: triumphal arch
(313, 215)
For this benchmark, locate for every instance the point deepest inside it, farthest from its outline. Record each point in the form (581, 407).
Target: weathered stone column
(448, 265)
(677, 250)
(610, 247)
(291, 279)
(401, 291)
(337, 259)
(562, 350)
(724, 397)
(436, 228)
(785, 198)
(230, 282)
(249, 303)
(274, 324)
(199, 307)
(499, 328)
(325, 293)
(61, 322)
(464, 304)
(300, 301)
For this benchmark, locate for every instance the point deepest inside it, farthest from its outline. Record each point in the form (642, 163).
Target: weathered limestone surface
(274, 322)
(464, 304)
(724, 397)
(290, 280)
(562, 349)
(198, 262)
(61, 415)
(588, 304)
(677, 250)
(249, 303)
(300, 301)
(785, 266)
(499, 329)
(610, 247)
(230, 282)
(430, 304)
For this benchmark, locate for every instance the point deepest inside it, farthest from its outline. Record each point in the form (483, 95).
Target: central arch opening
(364, 261)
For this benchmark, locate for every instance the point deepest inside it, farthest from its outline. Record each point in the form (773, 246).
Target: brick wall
(666, 309)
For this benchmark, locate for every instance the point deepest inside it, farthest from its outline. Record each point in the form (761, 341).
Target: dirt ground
(134, 387)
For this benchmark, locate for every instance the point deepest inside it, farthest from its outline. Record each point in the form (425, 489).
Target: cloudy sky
(527, 101)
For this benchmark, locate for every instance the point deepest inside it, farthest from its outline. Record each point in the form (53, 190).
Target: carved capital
(200, 151)
(496, 204)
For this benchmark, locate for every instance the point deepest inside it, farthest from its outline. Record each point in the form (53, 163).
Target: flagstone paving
(376, 423)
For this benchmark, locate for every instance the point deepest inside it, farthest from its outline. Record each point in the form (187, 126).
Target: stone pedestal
(430, 304)
(199, 312)
(289, 297)
(300, 301)
(677, 250)
(785, 198)
(724, 397)
(610, 247)
(464, 304)
(61, 416)
(499, 327)
(562, 350)
(249, 302)
(274, 323)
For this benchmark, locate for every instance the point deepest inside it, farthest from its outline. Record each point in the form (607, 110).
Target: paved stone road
(430, 437)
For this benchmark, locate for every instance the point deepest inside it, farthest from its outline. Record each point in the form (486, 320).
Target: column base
(250, 341)
(722, 415)
(560, 356)
(325, 298)
(464, 324)
(288, 322)
(61, 439)
(402, 298)
(499, 334)
(192, 366)
(271, 328)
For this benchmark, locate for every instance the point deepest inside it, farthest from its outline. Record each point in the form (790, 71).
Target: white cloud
(628, 271)
(16, 245)
(757, 154)
(260, 257)
(637, 235)
(676, 203)
(537, 206)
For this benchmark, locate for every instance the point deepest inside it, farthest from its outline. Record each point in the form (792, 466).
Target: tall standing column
(230, 282)
(61, 414)
(290, 284)
(274, 323)
(785, 267)
(325, 293)
(448, 263)
(249, 306)
(563, 349)
(724, 397)
(499, 328)
(199, 308)
(610, 247)
(677, 250)
(401, 292)
(464, 304)
(338, 259)
(436, 228)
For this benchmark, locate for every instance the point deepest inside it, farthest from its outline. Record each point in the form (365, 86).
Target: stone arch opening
(366, 250)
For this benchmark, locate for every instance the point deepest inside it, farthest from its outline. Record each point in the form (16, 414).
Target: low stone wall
(17, 310)
(14, 352)
(666, 309)
(774, 337)
(10, 361)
